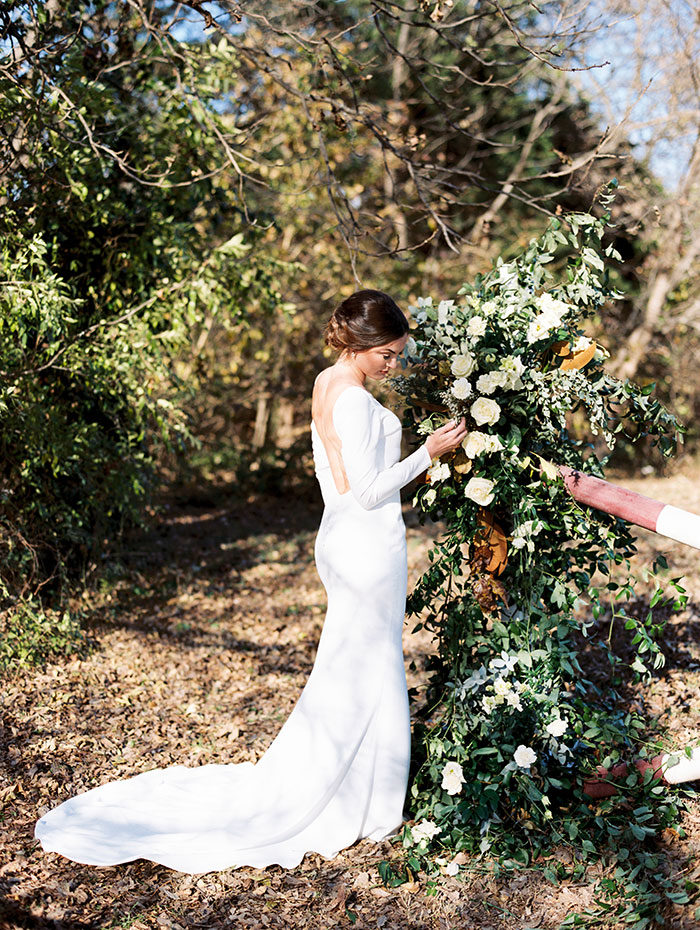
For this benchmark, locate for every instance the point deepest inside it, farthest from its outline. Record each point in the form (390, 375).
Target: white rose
(550, 306)
(557, 727)
(540, 327)
(425, 830)
(485, 410)
(452, 777)
(475, 444)
(501, 687)
(463, 365)
(524, 756)
(487, 384)
(461, 389)
(480, 490)
(476, 326)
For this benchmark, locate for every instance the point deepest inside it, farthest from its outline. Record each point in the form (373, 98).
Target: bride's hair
(364, 320)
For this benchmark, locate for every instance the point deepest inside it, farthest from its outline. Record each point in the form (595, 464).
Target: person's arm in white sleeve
(358, 424)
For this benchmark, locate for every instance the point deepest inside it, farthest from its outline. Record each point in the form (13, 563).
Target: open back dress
(337, 770)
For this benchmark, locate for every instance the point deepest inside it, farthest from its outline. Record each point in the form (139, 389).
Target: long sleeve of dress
(357, 421)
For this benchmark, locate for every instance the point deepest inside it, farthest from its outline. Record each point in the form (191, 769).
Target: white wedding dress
(338, 768)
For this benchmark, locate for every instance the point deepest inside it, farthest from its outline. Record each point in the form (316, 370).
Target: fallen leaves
(156, 693)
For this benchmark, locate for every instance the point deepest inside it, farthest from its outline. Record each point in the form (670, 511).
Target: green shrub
(30, 634)
(81, 419)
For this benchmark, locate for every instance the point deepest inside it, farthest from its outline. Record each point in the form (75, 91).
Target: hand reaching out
(446, 438)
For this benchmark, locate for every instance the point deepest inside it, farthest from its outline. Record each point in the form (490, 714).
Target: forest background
(188, 189)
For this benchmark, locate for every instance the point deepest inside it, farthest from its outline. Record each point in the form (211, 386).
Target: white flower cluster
(504, 692)
(557, 727)
(424, 831)
(513, 368)
(498, 689)
(438, 471)
(476, 327)
(458, 332)
(582, 343)
(444, 311)
(551, 313)
(489, 382)
(483, 351)
(524, 533)
(507, 378)
(477, 443)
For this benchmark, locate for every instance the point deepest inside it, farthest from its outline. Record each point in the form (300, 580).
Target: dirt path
(203, 644)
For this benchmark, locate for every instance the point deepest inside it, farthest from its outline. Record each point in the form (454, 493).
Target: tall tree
(650, 91)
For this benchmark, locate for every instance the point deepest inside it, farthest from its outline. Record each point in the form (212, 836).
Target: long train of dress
(337, 770)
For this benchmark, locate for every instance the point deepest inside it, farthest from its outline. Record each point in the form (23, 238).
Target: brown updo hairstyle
(365, 320)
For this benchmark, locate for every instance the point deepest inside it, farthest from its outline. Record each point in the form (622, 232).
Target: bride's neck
(346, 364)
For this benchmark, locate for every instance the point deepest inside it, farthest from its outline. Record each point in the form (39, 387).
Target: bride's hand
(446, 438)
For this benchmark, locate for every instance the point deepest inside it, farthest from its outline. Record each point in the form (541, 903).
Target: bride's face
(377, 362)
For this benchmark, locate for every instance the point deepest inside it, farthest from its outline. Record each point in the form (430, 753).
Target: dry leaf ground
(202, 644)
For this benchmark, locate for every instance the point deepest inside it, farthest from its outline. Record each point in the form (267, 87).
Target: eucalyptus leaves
(522, 571)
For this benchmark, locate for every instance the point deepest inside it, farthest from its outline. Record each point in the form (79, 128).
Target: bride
(337, 770)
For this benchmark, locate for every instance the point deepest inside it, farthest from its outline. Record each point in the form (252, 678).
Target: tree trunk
(676, 256)
(262, 417)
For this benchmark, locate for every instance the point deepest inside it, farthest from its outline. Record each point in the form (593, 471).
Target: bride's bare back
(327, 388)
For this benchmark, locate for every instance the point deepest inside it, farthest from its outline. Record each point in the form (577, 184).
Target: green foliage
(31, 633)
(122, 247)
(514, 726)
(80, 422)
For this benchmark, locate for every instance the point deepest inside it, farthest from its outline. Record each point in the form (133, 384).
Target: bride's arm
(358, 424)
